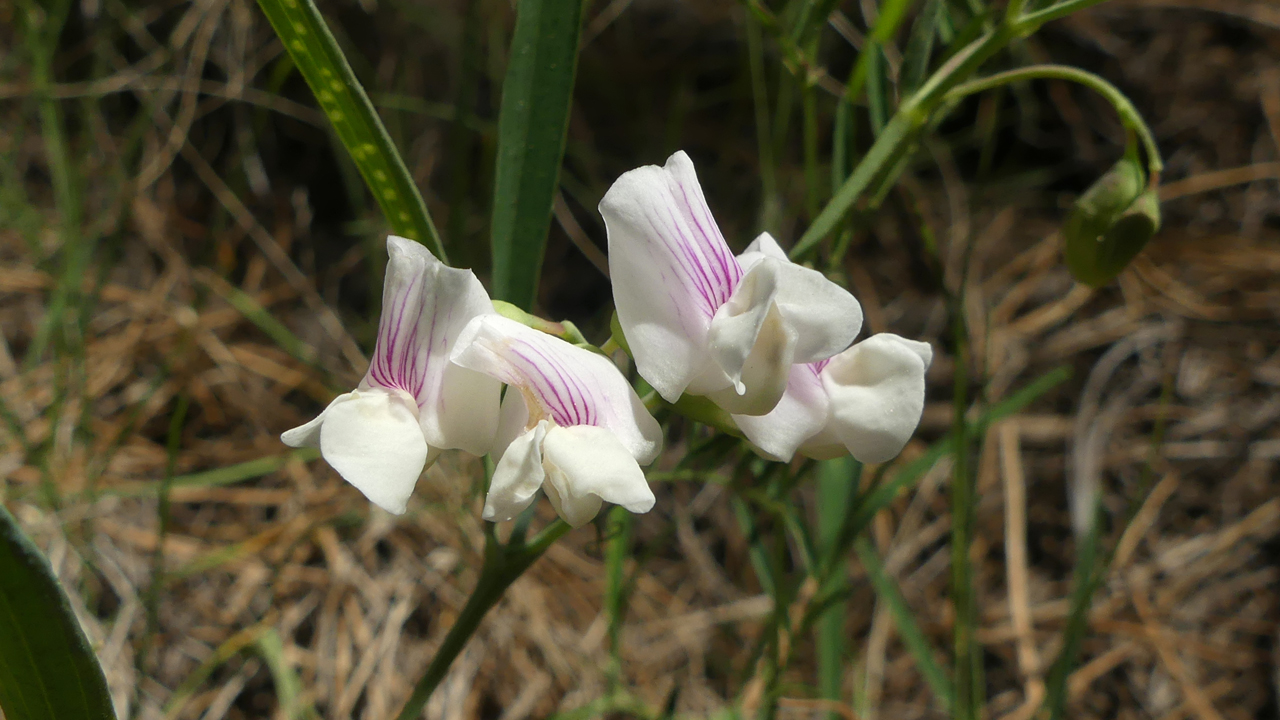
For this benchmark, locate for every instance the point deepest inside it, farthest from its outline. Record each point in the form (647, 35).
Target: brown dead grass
(1185, 627)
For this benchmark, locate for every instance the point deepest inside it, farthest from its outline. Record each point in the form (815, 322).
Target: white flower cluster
(769, 341)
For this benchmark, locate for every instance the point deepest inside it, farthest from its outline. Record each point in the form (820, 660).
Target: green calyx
(1111, 223)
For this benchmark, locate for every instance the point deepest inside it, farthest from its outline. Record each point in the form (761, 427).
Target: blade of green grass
(47, 669)
(533, 124)
(316, 54)
(837, 486)
(288, 686)
(904, 619)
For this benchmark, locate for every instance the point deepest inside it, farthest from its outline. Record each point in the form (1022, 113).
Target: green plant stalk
(915, 112)
(618, 532)
(42, 27)
(837, 488)
(317, 55)
(1129, 115)
(969, 687)
(770, 203)
(502, 565)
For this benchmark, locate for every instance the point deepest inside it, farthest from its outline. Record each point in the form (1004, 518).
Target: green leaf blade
(47, 669)
(316, 54)
(532, 127)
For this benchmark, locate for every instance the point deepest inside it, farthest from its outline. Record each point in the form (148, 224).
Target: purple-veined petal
(560, 382)
(586, 464)
(425, 305)
(800, 415)
(517, 477)
(876, 390)
(671, 270)
(372, 438)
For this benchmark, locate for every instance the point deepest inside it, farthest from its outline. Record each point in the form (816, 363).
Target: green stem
(969, 695)
(881, 161)
(1129, 115)
(502, 565)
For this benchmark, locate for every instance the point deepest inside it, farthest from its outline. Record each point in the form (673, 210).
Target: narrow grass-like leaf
(532, 126)
(316, 53)
(288, 687)
(905, 620)
(47, 669)
(924, 32)
(837, 486)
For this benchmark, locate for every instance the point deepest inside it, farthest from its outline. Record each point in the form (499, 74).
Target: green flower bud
(1110, 224)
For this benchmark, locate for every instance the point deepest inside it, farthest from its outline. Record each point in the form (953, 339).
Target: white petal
(876, 390)
(512, 421)
(586, 464)
(762, 376)
(824, 316)
(765, 246)
(308, 434)
(466, 407)
(800, 415)
(517, 477)
(563, 383)
(425, 305)
(372, 438)
(671, 269)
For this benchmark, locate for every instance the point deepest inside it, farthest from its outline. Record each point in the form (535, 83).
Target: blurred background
(190, 264)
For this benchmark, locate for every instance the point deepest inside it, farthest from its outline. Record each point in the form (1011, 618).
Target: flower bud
(1110, 224)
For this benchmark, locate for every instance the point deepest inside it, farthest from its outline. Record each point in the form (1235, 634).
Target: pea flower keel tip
(413, 402)
(866, 401)
(570, 424)
(700, 320)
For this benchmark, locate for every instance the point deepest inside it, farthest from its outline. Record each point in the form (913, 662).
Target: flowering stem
(880, 164)
(1129, 115)
(502, 565)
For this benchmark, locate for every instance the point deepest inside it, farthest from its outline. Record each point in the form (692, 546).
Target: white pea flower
(413, 402)
(570, 424)
(866, 401)
(701, 321)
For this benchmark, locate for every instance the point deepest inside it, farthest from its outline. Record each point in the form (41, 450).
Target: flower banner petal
(517, 477)
(876, 390)
(562, 383)
(372, 438)
(586, 464)
(425, 305)
(671, 270)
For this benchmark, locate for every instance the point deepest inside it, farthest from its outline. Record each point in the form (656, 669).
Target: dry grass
(357, 600)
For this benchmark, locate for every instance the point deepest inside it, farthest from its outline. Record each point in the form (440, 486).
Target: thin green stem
(881, 163)
(1129, 115)
(764, 133)
(1032, 22)
(502, 565)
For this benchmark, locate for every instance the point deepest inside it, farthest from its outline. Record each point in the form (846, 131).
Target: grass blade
(47, 669)
(532, 127)
(837, 485)
(316, 53)
(912, 637)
